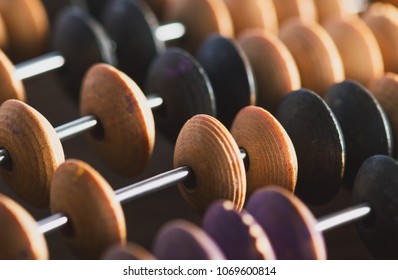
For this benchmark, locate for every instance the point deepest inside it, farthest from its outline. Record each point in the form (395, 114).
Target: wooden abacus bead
(82, 42)
(201, 18)
(34, 148)
(180, 81)
(318, 142)
(293, 238)
(376, 184)
(358, 48)
(382, 20)
(230, 75)
(303, 9)
(20, 237)
(238, 234)
(206, 146)
(126, 134)
(363, 122)
(128, 251)
(385, 91)
(316, 56)
(329, 9)
(252, 14)
(276, 73)
(27, 27)
(4, 42)
(12, 88)
(182, 240)
(96, 217)
(271, 154)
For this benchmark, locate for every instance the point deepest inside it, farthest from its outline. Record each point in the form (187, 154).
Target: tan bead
(4, 41)
(34, 148)
(207, 147)
(303, 9)
(274, 68)
(201, 19)
(127, 137)
(12, 88)
(96, 219)
(382, 19)
(27, 26)
(252, 14)
(358, 48)
(315, 53)
(385, 90)
(19, 235)
(330, 8)
(270, 151)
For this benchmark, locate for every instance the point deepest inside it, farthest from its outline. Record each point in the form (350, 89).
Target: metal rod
(39, 65)
(343, 217)
(52, 223)
(73, 128)
(126, 194)
(170, 31)
(153, 184)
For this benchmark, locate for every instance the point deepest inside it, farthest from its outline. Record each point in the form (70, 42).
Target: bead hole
(68, 230)
(190, 183)
(370, 221)
(98, 132)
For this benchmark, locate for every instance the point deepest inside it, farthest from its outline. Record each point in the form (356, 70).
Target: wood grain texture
(11, 88)
(252, 14)
(19, 235)
(207, 147)
(238, 234)
(275, 70)
(289, 224)
(183, 240)
(358, 48)
(385, 90)
(303, 9)
(128, 126)
(201, 18)
(27, 27)
(315, 53)
(96, 219)
(382, 19)
(34, 149)
(129, 251)
(270, 151)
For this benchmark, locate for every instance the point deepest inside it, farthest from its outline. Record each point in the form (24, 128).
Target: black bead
(377, 185)
(230, 75)
(82, 41)
(365, 126)
(131, 25)
(185, 88)
(318, 142)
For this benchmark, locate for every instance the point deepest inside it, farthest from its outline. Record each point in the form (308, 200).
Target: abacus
(265, 116)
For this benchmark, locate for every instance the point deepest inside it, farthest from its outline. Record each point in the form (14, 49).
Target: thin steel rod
(76, 127)
(39, 65)
(153, 184)
(52, 223)
(343, 217)
(126, 194)
(170, 31)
